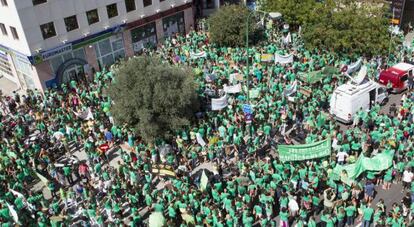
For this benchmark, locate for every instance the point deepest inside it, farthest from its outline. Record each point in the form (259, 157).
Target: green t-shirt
(283, 216)
(66, 170)
(350, 211)
(367, 213)
(311, 223)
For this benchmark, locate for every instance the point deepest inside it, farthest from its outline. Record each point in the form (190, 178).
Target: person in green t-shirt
(350, 210)
(311, 222)
(284, 218)
(367, 213)
(68, 174)
(328, 219)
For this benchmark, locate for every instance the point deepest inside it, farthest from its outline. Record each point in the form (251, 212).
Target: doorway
(74, 73)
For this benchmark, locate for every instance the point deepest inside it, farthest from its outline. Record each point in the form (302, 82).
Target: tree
(154, 97)
(227, 26)
(343, 26)
(351, 28)
(295, 12)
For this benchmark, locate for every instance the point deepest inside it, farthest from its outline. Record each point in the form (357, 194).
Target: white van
(349, 98)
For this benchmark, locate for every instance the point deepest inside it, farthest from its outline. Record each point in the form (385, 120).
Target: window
(3, 29)
(112, 10)
(48, 30)
(105, 47)
(55, 63)
(130, 5)
(92, 16)
(4, 3)
(404, 78)
(71, 23)
(109, 50)
(147, 3)
(5, 65)
(174, 24)
(14, 32)
(37, 2)
(144, 36)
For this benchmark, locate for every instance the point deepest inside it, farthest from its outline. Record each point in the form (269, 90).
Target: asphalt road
(394, 195)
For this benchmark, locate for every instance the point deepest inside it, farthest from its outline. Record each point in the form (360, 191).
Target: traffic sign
(247, 109)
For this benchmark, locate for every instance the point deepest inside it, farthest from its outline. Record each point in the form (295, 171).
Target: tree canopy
(294, 12)
(154, 97)
(344, 26)
(227, 26)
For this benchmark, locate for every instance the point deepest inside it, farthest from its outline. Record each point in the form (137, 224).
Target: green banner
(317, 76)
(348, 173)
(304, 152)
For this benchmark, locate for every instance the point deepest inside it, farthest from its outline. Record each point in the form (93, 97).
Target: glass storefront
(5, 66)
(144, 36)
(24, 72)
(174, 24)
(109, 50)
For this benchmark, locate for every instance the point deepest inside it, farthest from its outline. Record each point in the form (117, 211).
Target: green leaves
(227, 26)
(154, 97)
(344, 26)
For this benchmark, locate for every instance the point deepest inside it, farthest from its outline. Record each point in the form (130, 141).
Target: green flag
(379, 162)
(44, 180)
(156, 219)
(203, 181)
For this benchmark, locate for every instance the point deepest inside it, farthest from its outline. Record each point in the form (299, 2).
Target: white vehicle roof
(403, 66)
(352, 89)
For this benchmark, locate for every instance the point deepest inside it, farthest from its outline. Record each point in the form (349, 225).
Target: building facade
(46, 42)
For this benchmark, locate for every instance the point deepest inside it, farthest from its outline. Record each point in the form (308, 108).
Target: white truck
(355, 95)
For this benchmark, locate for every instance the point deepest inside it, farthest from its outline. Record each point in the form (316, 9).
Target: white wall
(56, 10)
(9, 17)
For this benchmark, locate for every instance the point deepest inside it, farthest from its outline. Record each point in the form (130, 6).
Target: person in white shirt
(341, 156)
(293, 206)
(407, 178)
(335, 145)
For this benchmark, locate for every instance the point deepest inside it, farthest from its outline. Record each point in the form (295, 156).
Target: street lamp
(272, 15)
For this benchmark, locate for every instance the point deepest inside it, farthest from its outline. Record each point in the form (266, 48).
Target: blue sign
(56, 51)
(247, 109)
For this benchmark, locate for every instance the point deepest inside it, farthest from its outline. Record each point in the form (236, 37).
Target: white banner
(232, 89)
(354, 67)
(234, 77)
(200, 140)
(291, 88)
(287, 39)
(283, 59)
(202, 54)
(218, 104)
(85, 115)
(13, 213)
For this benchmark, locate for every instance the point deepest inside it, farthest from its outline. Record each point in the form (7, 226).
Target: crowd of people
(248, 184)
